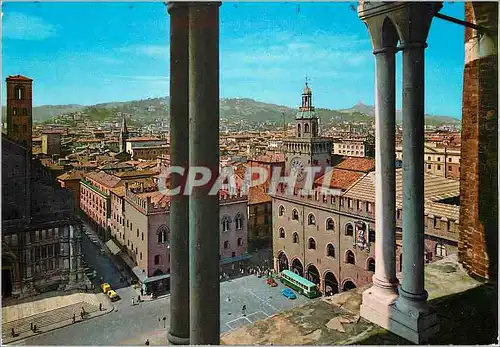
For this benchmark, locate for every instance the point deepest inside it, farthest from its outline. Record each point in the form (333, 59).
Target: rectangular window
(439, 167)
(429, 166)
(349, 203)
(449, 168)
(358, 205)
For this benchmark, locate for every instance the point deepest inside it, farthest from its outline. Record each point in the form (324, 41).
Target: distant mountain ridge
(232, 109)
(370, 110)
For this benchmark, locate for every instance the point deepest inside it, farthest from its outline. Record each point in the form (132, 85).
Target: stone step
(47, 318)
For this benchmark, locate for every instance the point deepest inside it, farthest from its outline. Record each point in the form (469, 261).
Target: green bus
(299, 284)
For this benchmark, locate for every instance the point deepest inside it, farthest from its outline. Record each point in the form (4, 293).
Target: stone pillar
(412, 318)
(378, 298)
(204, 152)
(178, 333)
(412, 292)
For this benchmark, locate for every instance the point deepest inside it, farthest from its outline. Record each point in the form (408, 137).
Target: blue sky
(87, 53)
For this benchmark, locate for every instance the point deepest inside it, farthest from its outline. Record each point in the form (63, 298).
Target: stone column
(178, 333)
(384, 279)
(412, 294)
(204, 152)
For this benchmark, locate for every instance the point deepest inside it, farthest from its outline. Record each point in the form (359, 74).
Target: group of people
(249, 270)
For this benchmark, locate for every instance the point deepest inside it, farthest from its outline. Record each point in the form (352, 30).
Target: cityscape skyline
(126, 48)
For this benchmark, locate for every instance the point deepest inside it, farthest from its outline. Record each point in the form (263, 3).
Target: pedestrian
(243, 310)
(142, 291)
(81, 315)
(74, 318)
(34, 328)
(138, 299)
(85, 288)
(228, 299)
(13, 332)
(100, 306)
(133, 302)
(147, 342)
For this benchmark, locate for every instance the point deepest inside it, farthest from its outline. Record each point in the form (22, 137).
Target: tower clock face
(298, 168)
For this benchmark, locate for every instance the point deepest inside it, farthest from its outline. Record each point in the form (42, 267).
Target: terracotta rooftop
(135, 173)
(341, 179)
(71, 175)
(144, 139)
(258, 195)
(357, 164)
(103, 178)
(18, 78)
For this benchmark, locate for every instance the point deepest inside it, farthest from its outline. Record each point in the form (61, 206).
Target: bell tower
(307, 148)
(19, 110)
(123, 135)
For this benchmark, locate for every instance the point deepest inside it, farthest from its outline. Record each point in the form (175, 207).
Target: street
(130, 325)
(105, 268)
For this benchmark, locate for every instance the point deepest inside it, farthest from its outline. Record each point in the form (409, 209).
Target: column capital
(176, 5)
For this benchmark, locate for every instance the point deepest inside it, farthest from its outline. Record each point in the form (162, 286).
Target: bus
(299, 284)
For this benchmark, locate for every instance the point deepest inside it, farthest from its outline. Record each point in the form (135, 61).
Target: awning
(155, 278)
(113, 247)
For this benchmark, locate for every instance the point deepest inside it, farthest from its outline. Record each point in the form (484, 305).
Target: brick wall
(478, 241)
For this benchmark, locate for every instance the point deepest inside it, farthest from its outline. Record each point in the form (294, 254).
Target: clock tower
(306, 148)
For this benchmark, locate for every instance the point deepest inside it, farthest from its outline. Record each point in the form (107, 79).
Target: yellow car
(112, 295)
(105, 287)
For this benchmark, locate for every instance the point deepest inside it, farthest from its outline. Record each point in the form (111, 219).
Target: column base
(176, 340)
(415, 326)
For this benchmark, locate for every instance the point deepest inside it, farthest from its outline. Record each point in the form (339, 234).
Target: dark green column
(179, 144)
(204, 151)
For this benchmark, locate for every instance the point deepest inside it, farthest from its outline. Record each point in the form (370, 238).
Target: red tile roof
(18, 78)
(357, 164)
(341, 179)
(258, 195)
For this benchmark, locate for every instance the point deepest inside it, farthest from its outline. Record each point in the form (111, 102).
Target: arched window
(370, 265)
(14, 111)
(281, 210)
(282, 233)
(162, 234)
(371, 236)
(295, 238)
(349, 230)
(306, 128)
(240, 241)
(330, 250)
(311, 220)
(349, 257)
(157, 259)
(238, 221)
(440, 250)
(226, 244)
(298, 129)
(295, 214)
(225, 223)
(329, 224)
(19, 93)
(312, 243)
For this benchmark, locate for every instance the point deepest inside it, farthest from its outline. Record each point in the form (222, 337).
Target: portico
(403, 308)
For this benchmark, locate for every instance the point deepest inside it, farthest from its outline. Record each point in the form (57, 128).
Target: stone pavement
(42, 313)
(460, 302)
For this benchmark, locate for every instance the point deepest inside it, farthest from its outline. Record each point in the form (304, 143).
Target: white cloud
(153, 51)
(280, 55)
(19, 26)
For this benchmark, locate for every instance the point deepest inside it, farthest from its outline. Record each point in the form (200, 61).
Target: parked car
(271, 282)
(112, 295)
(106, 287)
(287, 292)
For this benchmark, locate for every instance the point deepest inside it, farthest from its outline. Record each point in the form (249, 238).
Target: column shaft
(412, 290)
(204, 151)
(385, 174)
(179, 144)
